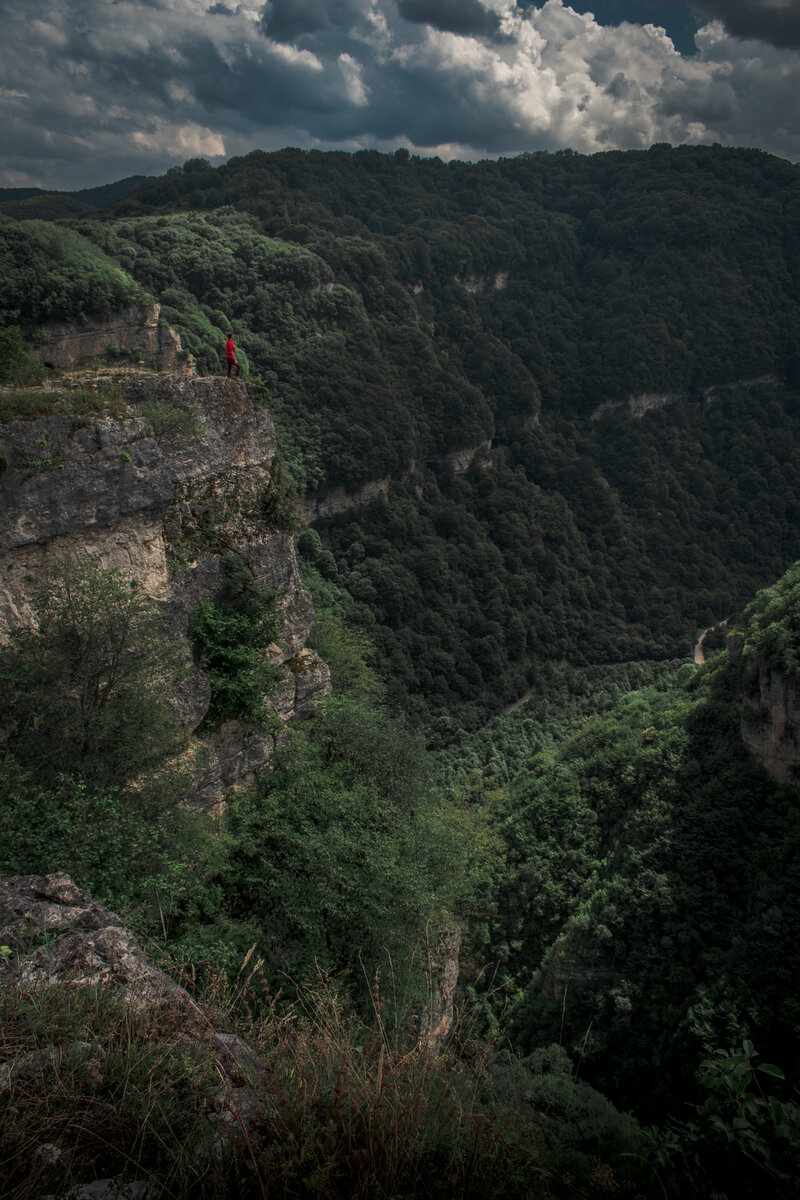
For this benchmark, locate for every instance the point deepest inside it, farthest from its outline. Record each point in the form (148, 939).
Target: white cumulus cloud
(93, 90)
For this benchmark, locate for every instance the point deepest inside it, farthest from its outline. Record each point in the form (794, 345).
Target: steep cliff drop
(165, 477)
(770, 721)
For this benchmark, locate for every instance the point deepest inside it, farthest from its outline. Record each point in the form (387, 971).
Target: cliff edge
(164, 477)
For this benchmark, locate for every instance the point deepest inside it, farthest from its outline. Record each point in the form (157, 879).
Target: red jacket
(230, 349)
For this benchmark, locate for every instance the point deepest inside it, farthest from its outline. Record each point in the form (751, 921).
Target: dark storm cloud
(285, 20)
(773, 21)
(91, 91)
(711, 105)
(450, 16)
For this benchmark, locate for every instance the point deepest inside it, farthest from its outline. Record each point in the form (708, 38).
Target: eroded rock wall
(137, 332)
(770, 724)
(165, 483)
(330, 504)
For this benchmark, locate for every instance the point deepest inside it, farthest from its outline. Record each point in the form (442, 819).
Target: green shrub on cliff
(231, 646)
(231, 635)
(89, 778)
(135, 849)
(86, 690)
(773, 623)
(18, 363)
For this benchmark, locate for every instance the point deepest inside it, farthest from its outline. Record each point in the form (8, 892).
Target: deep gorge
(509, 431)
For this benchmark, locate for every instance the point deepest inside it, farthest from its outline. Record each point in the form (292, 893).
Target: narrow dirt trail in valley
(699, 650)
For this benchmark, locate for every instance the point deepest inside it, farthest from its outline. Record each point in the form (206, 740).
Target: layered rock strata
(136, 332)
(168, 480)
(325, 505)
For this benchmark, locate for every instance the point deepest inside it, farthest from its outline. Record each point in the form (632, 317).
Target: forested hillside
(626, 272)
(577, 382)
(397, 309)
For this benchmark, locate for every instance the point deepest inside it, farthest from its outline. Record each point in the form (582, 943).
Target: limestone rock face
(770, 724)
(31, 904)
(166, 482)
(135, 331)
(339, 500)
(443, 971)
(67, 474)
(326, 505)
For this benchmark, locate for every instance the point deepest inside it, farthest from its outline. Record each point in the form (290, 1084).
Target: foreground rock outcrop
(55, 935)
(165, 477)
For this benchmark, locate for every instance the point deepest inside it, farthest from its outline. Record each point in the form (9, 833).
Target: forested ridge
(395, 309)
(517, 736)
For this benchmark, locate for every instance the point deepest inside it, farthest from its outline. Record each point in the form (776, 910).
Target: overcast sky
(94, 90)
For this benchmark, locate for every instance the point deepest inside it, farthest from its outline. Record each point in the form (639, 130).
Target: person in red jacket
(230, 354)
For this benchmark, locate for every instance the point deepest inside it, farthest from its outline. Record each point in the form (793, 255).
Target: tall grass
(335, 1107)
(90, 1088)
(26, 404)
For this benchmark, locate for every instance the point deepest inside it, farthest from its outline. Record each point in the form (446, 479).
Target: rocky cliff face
(647, 402)
(770, 724)
(325, 505)
(136, 332)
(169, 477)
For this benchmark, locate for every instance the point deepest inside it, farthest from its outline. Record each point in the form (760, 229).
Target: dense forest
(394, 310)
(517, 735)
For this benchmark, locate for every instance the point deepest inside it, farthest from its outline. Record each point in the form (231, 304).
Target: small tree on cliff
(86, 692)
(89, 780)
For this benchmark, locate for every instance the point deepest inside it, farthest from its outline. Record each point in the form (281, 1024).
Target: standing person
(230, 354)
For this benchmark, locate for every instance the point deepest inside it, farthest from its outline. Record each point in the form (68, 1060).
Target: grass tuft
(27, 404)
(335, 1107)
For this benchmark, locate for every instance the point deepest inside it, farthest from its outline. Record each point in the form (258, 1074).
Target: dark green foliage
(231, 637)
(397, 310)
(358, 386)
(349, 655)
(773, 624)
(594, 276)
(562, 701)
(18, 364)
(49, 273)
(85, 692)
(344, 856)
(586, 1125)
(650, 913)
(32, 203)
(131, 848)
(642, 906)
(342, 853)
(744, 1138)
(591, 543)
(86, 776)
